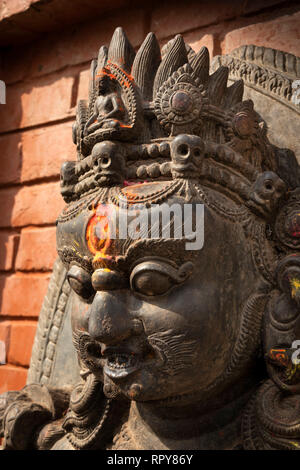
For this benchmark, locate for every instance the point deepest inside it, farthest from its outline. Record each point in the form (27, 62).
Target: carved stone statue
(178, 348)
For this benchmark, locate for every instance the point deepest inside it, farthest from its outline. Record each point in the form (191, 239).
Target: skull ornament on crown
(175, 345)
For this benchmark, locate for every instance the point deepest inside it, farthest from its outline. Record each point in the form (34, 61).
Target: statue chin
(179, 263)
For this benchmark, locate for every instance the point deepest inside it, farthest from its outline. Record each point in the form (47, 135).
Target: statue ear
(288, 277)
(282, 326)
(272, 415)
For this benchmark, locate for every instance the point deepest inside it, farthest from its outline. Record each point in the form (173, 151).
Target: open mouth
(116, 363)
(121, 364)
(104, 174)
(187, 170)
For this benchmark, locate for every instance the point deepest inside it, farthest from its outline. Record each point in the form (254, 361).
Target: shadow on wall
(10, 171)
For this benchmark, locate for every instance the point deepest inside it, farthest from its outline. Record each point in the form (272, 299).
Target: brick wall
(45, 64)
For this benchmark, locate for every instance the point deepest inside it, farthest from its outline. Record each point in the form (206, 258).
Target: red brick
(52, 15)
(75, 45)
(5, 330)
(282, 33)
(37, 249)
(170, 18)
(256, 5)
(83, 87)
(36, 153)
(22, 295)
(21, 341)
(12, 7)
(11, 158)
(45, 149)
(11, 33)
(197, 40)
(12, 378)
(31, 205)
(31, 103)
(7, 247)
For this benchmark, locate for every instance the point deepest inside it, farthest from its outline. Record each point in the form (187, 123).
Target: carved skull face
(187, 156)
(108, 163)
(267, 190)
(164, 322)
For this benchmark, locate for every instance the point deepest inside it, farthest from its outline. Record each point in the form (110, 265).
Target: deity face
(164, 323)
(152, 319)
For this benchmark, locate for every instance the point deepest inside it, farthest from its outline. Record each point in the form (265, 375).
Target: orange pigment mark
(97, 234)
(131, 195)
(295, 286)
(280, 356)
(107, 71)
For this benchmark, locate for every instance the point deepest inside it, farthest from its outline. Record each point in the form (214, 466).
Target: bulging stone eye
(151, 283)
(80, 282)
(157, 277)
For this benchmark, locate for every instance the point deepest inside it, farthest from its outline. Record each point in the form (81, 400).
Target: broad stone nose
(187, 149)
(109, 320)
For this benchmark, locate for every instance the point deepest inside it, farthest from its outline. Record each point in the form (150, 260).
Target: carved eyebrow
(178, 275)
(170, 249)
(69, 257)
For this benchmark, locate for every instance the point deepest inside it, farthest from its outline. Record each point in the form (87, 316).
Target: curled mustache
(175, 351)
(88, 350)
